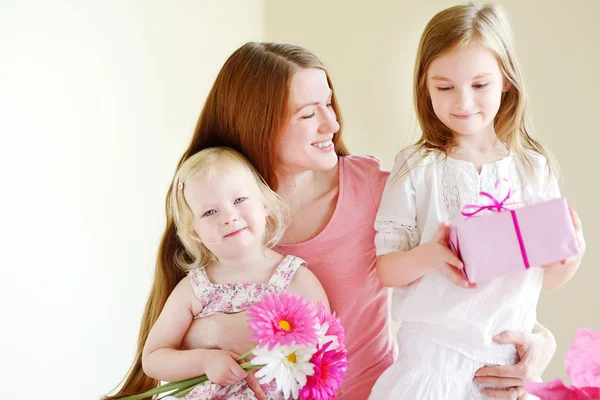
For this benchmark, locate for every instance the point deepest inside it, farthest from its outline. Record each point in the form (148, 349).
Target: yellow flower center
(283, 324)
(292, 358)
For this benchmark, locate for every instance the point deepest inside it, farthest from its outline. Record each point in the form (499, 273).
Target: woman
(275, 104)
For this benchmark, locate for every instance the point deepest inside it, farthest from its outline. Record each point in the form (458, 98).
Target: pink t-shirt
(343, 257)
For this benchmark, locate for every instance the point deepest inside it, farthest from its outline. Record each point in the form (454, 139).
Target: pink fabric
(494, 245)
(343, 257)
(583, 366)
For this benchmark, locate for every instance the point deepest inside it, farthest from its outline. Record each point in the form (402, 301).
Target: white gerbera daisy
(324, 338)
(288, 365)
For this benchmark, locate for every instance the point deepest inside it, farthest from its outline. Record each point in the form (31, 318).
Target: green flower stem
(185, 388)
(243, 356)
(181, 386)
(184, 392)
(167, 387)
(248, 366)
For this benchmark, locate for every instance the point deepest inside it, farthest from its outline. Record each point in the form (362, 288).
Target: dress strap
(285, 272)
(203, 288)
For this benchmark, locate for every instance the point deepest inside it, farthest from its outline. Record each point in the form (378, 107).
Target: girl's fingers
(441, 235)
(575, 219)
(454, 275)
(498, 381)
(509, 393)
(452, 259)
(238, 372)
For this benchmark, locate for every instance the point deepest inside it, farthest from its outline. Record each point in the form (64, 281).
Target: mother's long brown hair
(247, 110)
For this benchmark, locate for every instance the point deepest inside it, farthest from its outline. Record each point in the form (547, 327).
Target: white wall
(98, 101)
(370, 47)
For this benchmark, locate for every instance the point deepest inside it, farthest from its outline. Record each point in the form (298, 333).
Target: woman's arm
(535, 351)
(230, 332)
(223, 331)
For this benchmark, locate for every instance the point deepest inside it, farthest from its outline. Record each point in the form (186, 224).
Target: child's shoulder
(416, 156)
(537, 160)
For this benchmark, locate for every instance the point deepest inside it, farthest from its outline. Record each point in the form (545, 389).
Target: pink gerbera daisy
(330, 369)
(284, 319)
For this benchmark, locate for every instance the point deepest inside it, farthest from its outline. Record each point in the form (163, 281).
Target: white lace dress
(446, 332)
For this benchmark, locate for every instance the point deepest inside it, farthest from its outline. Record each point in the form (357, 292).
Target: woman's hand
(535, 352)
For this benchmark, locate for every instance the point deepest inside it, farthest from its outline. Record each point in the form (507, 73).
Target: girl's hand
(437, 254)
(226, 332)
(222, 369)
(557, 274)
(580, 244)
(535, 352)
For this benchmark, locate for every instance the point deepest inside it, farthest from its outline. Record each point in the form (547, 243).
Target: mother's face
(306, 143)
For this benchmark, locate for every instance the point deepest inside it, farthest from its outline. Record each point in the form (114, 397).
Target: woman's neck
(306, 185)
(311, 198)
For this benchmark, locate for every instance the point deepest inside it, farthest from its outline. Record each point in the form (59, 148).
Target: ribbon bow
(496, 205)
(499, 206)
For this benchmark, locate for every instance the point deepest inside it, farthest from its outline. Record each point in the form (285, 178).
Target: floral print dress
(230, 298)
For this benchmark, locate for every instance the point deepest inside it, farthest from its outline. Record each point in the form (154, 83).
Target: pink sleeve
(377, 180)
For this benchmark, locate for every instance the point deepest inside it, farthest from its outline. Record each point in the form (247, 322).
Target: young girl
(227, 219)
(470, 101)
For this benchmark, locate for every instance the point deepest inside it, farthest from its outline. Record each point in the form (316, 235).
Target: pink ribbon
(499, 206)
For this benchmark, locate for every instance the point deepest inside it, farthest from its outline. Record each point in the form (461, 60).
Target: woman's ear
(506, 86)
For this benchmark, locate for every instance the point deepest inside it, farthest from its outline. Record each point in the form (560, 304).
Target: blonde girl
(228, 221)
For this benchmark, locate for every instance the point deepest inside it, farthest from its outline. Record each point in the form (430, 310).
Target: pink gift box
(510, 241)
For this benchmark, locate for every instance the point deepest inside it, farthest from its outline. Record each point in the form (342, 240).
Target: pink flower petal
(264, 318)
(583, 359)
(330, 370)
(556, 390)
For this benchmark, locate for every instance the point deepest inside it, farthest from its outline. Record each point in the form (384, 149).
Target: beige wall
(369, 48)
(98, 100)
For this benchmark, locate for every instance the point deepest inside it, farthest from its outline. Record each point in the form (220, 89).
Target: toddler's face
(229, 213)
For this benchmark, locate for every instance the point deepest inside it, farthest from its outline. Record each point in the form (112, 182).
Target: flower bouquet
(300, 349)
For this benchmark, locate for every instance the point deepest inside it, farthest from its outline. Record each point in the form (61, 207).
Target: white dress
(446, 332)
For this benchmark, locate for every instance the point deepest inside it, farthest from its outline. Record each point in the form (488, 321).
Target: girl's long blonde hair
(458, 26)
(194, 253)
(247, 109)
